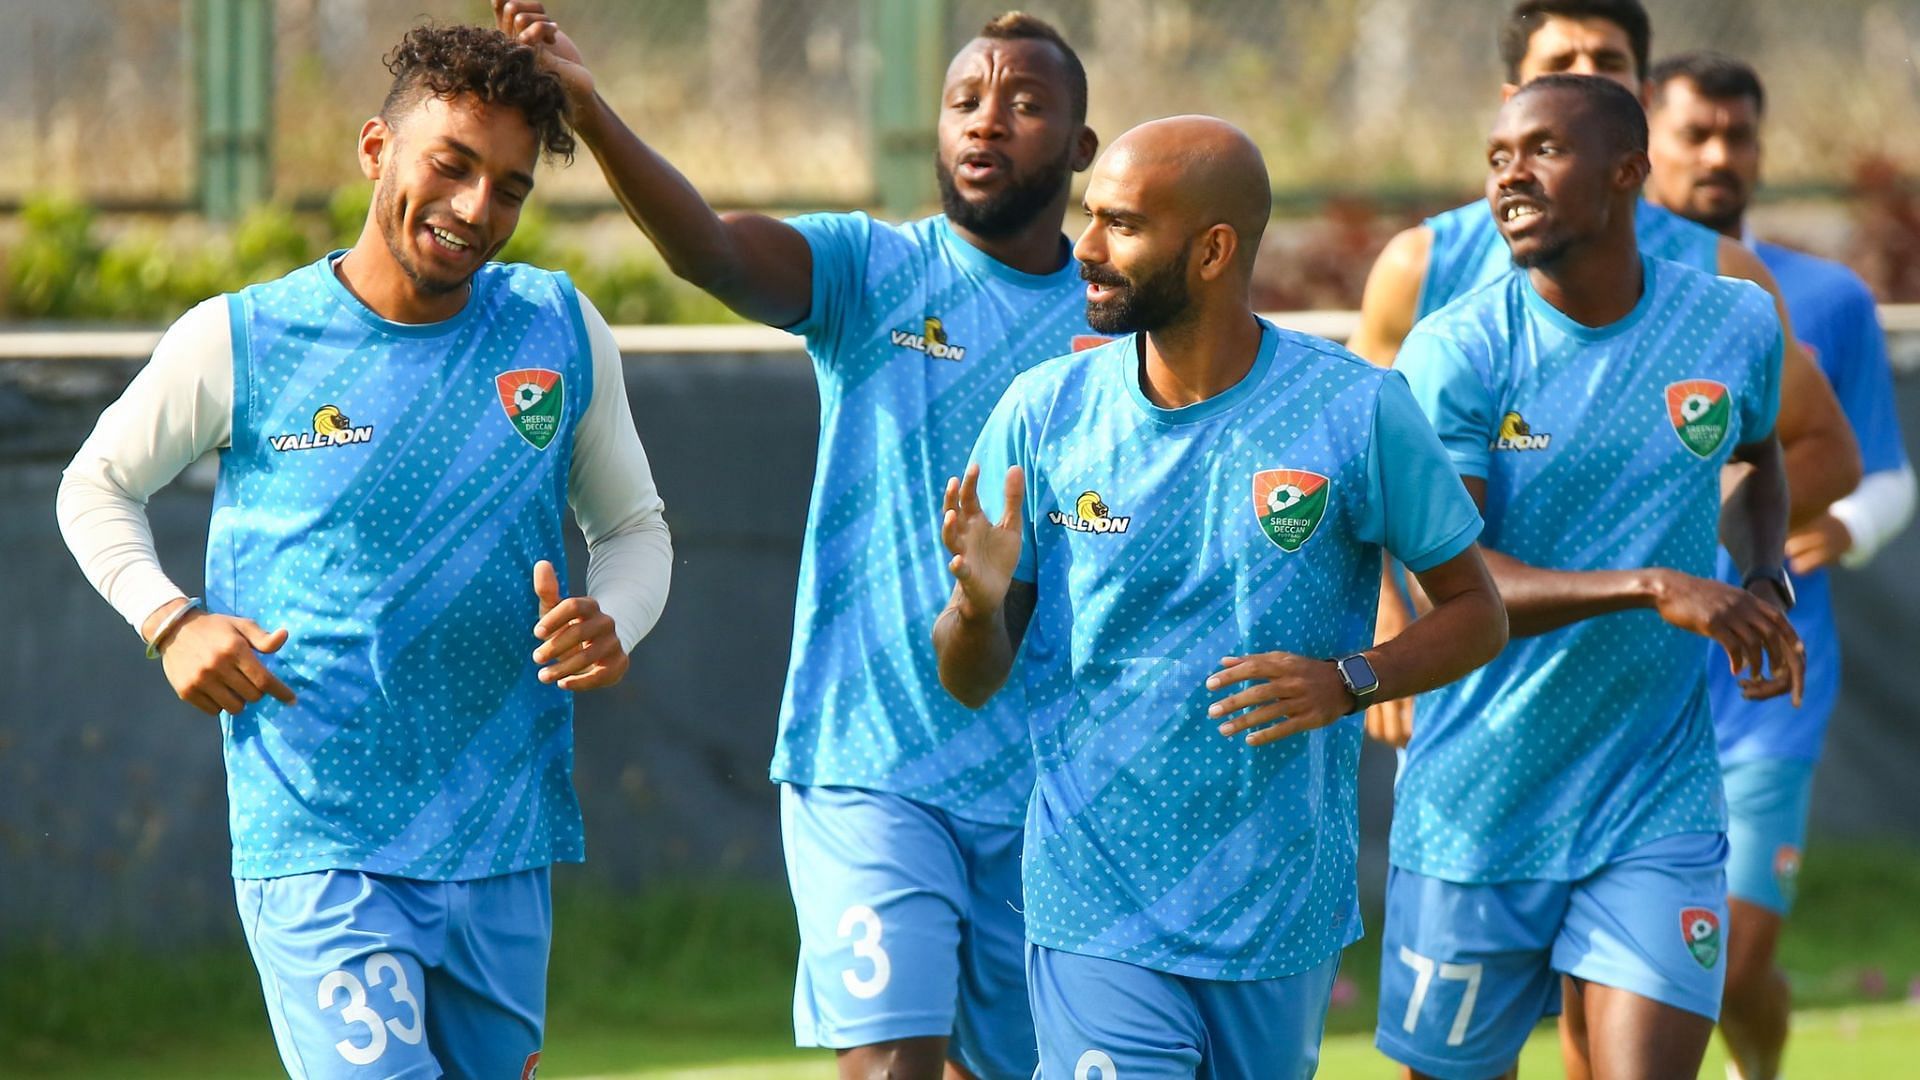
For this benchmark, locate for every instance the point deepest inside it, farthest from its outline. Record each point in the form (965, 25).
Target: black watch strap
(1782, 581)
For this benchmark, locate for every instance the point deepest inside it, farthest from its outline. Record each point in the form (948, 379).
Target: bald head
(1200, 168)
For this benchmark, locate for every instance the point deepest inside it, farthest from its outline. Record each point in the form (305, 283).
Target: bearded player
(900, 810)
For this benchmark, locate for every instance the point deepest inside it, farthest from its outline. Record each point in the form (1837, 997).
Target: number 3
(867, 920)
(356, 1011)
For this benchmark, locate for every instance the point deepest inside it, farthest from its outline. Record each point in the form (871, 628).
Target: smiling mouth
(449, 241)
(1519, 212)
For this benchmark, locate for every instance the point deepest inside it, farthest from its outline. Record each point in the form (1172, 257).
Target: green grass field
(695, 983)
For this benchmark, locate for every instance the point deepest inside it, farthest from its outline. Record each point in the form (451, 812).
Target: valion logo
(1516, 434)
(330, 428)
(1090, 515)
(932, 340)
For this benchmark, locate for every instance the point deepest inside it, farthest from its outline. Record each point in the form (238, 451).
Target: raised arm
(978, 634)
(1392, 296)
(1822, 457)
(759, 266)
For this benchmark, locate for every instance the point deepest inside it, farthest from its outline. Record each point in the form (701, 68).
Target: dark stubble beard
(1012, 208)
(387, 213)
(1155, 301)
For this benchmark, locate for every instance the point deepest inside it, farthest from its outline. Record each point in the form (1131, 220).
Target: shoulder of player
(1476, 214)
(1809, 279)
(1066, 376)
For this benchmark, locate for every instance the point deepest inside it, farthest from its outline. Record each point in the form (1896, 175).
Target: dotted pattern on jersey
(863, 705)
(1469, 252)
(423, 744)
(1576, 745)
(1153, 839)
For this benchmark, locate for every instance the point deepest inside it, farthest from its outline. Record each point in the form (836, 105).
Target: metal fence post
(233, 43)
(909, 44)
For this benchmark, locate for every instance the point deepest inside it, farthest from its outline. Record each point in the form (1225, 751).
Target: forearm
(975, 655)
(1876, 512)
(1458, 635)
(1753, 515)
(698, 244)
(1539, 601)
(107, 531)
(629, 574)
(1822, 466)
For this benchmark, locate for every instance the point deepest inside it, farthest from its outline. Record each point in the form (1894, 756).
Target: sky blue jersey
(387, 491)
(1160, 540)
(1468, 250)
(1601, 449)
(914, 335)
(1833, 315)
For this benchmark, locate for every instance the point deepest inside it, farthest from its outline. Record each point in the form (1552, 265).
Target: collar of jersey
(979, 260)
(367, 315)
(1135, 347)
(1558, 319)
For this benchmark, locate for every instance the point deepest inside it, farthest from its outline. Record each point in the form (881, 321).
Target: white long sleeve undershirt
(180, 407)
(1875, 512)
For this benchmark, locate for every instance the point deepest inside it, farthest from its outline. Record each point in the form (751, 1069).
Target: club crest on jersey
(932, 340)
(1701, 929)
(330, 428)
(533, 399)
(1090, 515)
(530, 1070)
(1702, 412)
(1516, 434)
(1289, 504)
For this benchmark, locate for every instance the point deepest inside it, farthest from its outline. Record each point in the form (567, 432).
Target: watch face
(1359, 675)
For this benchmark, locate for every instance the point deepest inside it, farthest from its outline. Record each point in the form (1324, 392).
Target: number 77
(1423, 967)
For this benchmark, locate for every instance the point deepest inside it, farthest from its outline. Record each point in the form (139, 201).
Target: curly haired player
(400, 427)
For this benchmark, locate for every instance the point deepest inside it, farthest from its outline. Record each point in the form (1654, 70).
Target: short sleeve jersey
(1833, 315)
(1160, 540)
(914, 335)
(386, 494)
(1468, 250)
(1601, 450)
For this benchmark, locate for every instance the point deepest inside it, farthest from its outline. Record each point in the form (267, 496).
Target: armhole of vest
(576, 318)
(242, 433)
(1422, 306)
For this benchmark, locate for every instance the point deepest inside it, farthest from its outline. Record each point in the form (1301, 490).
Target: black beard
(1153, 302)
(1546, 253)
(1010, 210)
(388, 217)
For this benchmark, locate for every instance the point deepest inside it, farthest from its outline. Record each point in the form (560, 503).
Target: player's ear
(1507, 90)
(1632, 171)
(1218, 246)
(1086, 147)
(376, 137)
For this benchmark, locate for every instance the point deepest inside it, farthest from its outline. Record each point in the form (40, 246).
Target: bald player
(900, 810)
(1426, 267)
(1182, 532)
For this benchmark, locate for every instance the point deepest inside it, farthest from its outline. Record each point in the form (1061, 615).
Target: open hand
(984, 553)
(579, 649)
(1756, 634)
(1818, 544)
(527, 22)
(1291, 694)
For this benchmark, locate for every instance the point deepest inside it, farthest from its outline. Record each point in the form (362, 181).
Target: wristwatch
(1776, 574)
(1359, 678)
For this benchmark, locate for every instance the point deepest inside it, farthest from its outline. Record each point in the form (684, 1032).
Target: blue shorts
(1467, 970)
(373, 976)
(1103, 1019)
(909, 927)
(1767, 803)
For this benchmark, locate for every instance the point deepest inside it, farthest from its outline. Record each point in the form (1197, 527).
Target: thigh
(1652, 923)
(1767, 804)
(490, 994)
(343, 959)
(993, 1027)
(1265, 1029)
(879, 885)
(1099, 1019)
(1465, 972)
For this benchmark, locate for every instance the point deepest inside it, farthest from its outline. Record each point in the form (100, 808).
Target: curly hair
(451, 61)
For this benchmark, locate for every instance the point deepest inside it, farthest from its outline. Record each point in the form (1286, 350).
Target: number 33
(356, 1011)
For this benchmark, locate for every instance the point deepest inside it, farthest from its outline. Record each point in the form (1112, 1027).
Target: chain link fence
(764, 102)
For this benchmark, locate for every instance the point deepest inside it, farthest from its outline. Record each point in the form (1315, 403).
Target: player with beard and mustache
(1560, 810)
(401, 428)
(900, 810)
(1209, 486)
